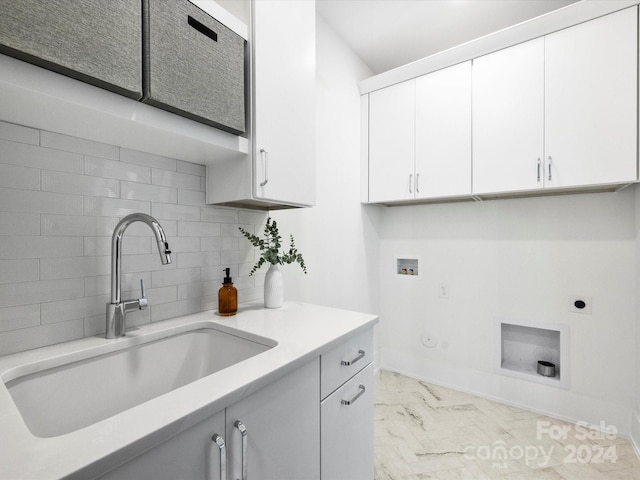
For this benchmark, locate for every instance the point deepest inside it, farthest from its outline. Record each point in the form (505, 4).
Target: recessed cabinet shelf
(519, 348)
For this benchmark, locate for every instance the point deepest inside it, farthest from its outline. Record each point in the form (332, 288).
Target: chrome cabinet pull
(265, 162)
(539, 165)
(347, 363)
(417, 183)
(410, 182)
(361, 390)
(243, 431)
(549, 167)
(219, 441)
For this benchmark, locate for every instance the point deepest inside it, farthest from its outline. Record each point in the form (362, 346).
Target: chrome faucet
(118, 308)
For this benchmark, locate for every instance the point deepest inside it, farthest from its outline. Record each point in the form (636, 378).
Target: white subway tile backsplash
(232, 229)
(145, 263)
(185, 244)
(191, 168)
(65, 310)
(13, 200)
(167, 211)
(100, 167)
(175, 309)
(34, 337)
(34, 156)
(236, 257)
(72, 267)
(78, 145)
(162, 278)
(18, 133)
(60, 200)
(190, 197)
(151, 193)
(220, 215)
(148, 159)
(192, 290)
(32, 246)
(19, 270)
(211, 244)
(114, 207)
(62, 182)
(199, 259)
(14, 176)
(19, 223)
(27, 293)
(102, 245)
(77, 226)
(175, 179)
(14, 318)
(198, 229)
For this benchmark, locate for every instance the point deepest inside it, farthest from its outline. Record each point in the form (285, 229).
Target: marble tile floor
(425, 431)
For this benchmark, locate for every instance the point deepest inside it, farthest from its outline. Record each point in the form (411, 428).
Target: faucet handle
(142, 301)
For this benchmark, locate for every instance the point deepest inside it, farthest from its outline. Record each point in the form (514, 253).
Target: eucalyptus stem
(270, 247)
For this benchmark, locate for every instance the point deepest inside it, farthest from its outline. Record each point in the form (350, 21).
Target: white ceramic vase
(273, 289)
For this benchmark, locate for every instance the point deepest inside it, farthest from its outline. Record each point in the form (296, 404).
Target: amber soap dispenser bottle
(227, 297)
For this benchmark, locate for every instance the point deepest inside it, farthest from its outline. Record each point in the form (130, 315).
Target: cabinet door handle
(539, 165)
(243, 431)
(347, 363)
(417, 183)
(265, 162)
(410, 182)
(219, 441)
(549, 167)
(361, 390)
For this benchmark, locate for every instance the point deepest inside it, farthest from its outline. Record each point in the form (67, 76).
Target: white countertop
(301, 331)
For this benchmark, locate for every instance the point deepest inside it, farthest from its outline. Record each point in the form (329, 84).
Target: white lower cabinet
(347, 430)
(282, 423)
(281, 441)
(347, 410)
(315, 423)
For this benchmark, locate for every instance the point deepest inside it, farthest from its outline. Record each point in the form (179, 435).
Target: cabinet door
(282, 425)
(443, 133)
(508, 116)
(284, 101)
(391, 143)
(191, 454)
(347, 430)
(591, 101)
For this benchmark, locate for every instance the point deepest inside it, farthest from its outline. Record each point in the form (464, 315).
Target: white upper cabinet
(508, 119)
(420, 137)
(591, 75)
(284, 101)
(559, 111)
(443, 133)
(392, 143)
(279, 172)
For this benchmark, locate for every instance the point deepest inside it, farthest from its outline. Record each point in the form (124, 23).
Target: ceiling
(389, 33)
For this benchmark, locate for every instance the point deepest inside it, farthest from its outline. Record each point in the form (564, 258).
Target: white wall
(517, 259)
(338, 236)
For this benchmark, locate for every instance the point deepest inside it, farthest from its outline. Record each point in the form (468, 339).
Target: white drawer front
(347, 430)
(344, 361)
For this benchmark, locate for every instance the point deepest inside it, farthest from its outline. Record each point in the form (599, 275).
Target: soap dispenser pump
(227, 296)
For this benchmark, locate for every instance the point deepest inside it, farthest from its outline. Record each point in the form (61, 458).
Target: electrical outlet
(443, 291)
(580, 304)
